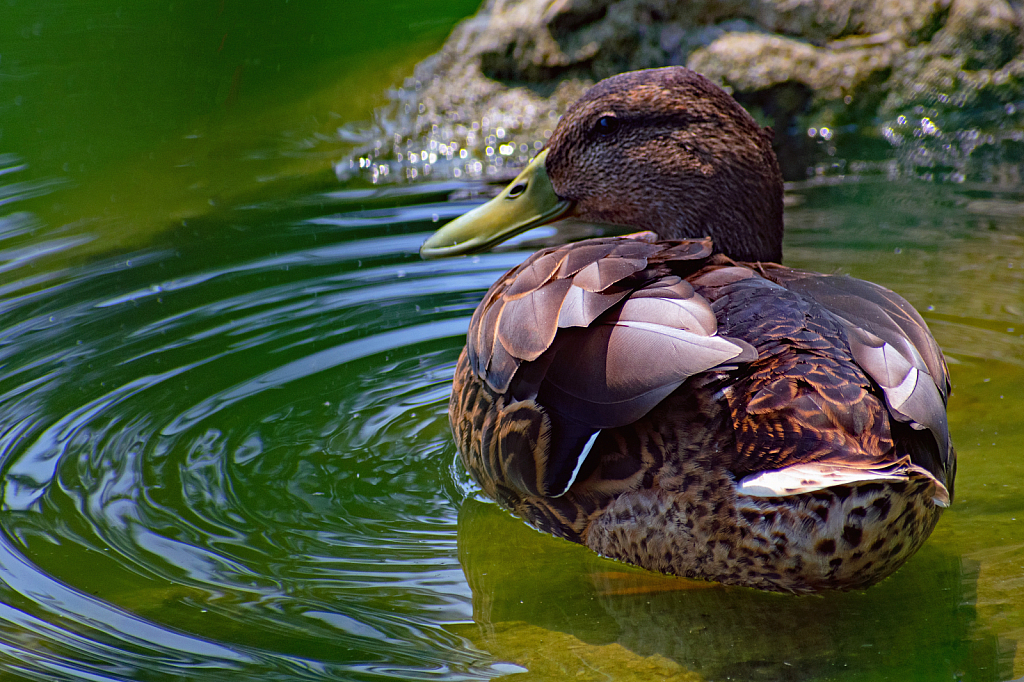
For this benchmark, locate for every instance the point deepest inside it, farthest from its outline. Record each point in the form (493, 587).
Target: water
(224, 375)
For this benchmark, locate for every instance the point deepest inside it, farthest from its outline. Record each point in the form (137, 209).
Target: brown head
(664, 150)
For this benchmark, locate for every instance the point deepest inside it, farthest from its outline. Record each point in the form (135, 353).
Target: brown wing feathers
(599, 333)
(823, 378)
(890, 341)
(804, 399)
(594, 335)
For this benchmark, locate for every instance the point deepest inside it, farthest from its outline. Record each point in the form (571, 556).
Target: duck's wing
(891, 342)
(594, 335)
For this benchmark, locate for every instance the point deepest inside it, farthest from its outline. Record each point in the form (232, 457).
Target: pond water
(224, 376)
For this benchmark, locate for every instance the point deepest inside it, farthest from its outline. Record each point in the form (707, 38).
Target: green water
(224, 375)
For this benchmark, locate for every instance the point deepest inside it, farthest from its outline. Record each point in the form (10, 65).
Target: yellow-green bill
(527, 202)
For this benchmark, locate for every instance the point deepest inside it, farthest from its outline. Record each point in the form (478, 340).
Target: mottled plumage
(674, 408)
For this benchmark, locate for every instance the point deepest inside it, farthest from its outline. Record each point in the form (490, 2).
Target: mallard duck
(675, 398)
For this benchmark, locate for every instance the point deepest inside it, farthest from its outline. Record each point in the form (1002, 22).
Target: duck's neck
(741, 212)
(745, 224)
(719, 179)
(736, 199)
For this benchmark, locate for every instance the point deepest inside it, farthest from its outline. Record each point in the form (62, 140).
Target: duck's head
(664, 150)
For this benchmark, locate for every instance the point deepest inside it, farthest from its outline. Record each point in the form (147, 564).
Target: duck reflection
(920, 624)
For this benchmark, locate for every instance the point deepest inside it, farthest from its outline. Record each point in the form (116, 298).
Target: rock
(986, 33)
(978, 49)
(486, 102)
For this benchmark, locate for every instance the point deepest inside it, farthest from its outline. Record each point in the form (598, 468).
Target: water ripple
(229, 455)
(247, 445)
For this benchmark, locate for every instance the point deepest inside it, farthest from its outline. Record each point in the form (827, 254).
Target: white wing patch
(579, 462)
(807, 478)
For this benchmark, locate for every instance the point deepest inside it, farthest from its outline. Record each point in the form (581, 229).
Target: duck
(675, 398)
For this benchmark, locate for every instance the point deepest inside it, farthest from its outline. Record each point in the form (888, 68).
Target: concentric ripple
(241, 433)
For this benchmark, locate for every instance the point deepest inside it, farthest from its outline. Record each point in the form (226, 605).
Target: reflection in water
(918, 625)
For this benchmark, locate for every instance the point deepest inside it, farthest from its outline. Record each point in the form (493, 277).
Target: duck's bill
(529, 201)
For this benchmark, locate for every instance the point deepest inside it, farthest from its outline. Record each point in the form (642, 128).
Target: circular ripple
(244, 440)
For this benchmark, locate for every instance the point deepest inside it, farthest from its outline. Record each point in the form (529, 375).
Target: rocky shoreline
(941, 81)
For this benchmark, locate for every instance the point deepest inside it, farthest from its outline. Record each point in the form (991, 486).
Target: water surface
(224, 374)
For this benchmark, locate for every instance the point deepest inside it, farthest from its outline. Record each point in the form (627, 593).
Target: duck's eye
(516, 190)
(606, 125)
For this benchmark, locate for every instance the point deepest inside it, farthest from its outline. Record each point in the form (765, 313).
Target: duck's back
(696, 416)
(844, 369)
